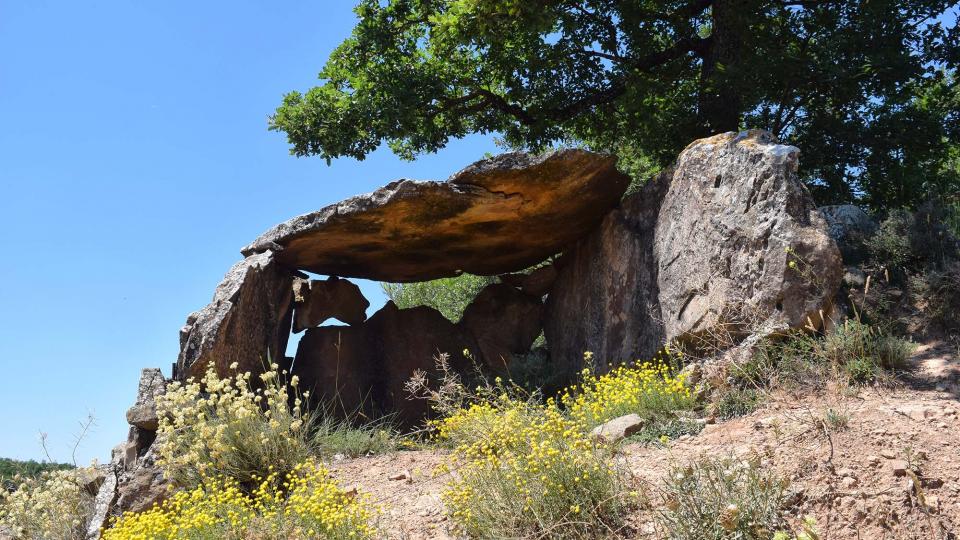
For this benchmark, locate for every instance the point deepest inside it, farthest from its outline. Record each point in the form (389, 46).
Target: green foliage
(866, 89)
(449, 296)
(891, 243)
(720, 499)
(939, 292)
(915, 240)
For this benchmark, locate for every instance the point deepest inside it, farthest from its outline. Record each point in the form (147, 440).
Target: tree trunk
(720, 100)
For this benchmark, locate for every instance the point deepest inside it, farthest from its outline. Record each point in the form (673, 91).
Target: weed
(722, 499)
(660, 432)
(735, 402)
(835, 420)
(854, 353)
(331, 435)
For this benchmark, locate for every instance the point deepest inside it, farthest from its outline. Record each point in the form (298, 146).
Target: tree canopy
(866, 88)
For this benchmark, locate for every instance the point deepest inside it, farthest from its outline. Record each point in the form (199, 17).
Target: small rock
(900, 467)
(887, 454)
(848, 482)
(405, 475)
(618, 428)
(873, 460)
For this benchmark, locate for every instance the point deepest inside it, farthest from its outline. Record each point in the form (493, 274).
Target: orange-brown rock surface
(498, 215)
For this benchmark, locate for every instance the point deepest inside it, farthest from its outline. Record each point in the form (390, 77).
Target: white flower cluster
(230, 427)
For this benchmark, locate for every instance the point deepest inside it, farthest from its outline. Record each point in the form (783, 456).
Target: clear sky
(134, 164)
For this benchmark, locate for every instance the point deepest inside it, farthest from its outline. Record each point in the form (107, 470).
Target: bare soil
(853, 480)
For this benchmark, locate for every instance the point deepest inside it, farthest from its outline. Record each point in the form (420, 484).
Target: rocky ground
(892, 472)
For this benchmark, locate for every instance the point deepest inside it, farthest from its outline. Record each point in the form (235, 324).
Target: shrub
(223, 427)
(535, 475)
(648, 389)
(722, 499)
(891, 245)
(449, 296)
(308, 506)
(864, 353)
(524, 468)
(736, 402)
(853, 352)
(939, 292)
(54, 504)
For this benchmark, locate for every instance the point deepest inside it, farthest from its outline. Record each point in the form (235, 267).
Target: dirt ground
(854, 481)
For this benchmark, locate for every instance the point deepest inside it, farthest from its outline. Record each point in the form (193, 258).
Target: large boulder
(504, 322)
(728, 241)
(315, 301)
(498, 215)
(849, 226)
(410, 340)
(247, 322)
(364, 368)
(141, 485)
(739, 239)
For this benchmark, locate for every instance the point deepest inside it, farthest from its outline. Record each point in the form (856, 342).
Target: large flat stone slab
(498, 215)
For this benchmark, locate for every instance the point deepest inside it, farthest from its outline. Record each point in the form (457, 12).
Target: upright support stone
(247, 322)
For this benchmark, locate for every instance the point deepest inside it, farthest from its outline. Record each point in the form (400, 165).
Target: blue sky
(134, 164)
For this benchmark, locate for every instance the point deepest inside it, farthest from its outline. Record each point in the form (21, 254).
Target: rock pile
(132, 482)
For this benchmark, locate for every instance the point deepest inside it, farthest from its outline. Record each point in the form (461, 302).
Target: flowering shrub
(223, 427)
(536, 474)
(306, 505)
(526, 468)
(647, 389)
(52, 505)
